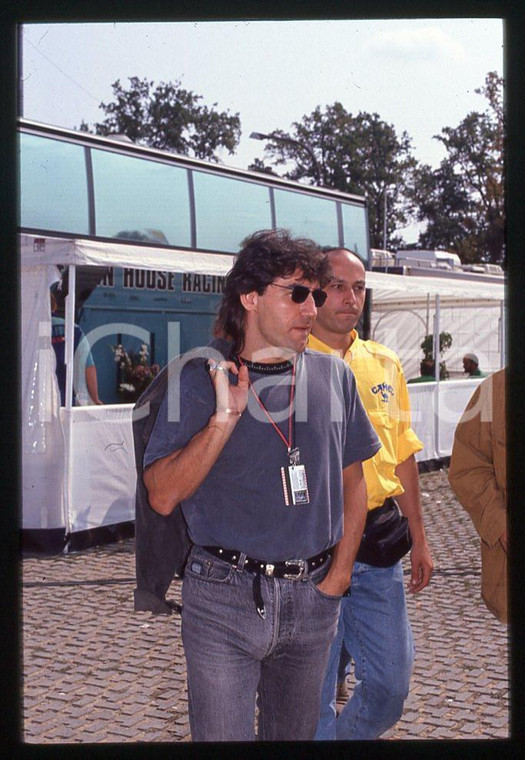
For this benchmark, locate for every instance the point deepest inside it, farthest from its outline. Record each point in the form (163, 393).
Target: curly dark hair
(264, 256)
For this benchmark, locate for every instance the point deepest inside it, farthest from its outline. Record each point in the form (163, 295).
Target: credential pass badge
(295, 484)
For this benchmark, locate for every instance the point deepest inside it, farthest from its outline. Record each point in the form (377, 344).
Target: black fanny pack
(386, 537)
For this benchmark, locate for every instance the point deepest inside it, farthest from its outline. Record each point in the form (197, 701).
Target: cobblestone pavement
(96, 671)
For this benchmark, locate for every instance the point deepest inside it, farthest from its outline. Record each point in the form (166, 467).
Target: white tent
(78, 464)
(472, 311)
(407, 308)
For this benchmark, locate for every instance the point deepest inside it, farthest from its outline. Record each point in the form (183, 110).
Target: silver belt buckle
(302, 564)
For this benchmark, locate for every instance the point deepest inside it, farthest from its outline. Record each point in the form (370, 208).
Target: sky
(419, 75)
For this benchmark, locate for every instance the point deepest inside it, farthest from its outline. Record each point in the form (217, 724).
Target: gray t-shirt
(240, 505)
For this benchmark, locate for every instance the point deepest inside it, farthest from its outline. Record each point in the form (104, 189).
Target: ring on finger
(215, 366)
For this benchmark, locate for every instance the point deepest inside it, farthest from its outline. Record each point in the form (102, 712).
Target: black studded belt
(290, 568)
(293, 569)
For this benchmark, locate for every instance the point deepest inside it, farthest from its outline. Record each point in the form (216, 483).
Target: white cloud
(424, 44)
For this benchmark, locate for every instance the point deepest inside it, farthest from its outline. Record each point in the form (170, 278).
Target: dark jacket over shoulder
(161, 541)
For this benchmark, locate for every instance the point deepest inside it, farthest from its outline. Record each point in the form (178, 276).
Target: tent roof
(398, 287)
(37, 249)
(47, 250)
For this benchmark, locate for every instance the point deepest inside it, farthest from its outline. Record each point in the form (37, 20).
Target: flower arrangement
(135, 372)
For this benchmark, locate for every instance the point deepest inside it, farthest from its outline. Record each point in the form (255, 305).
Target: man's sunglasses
(300, 293)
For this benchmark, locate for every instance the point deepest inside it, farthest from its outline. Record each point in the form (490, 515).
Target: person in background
(373, 623)
(427, 370)
(82, 352)
(264, 458)
(471, 366)
(478, 477)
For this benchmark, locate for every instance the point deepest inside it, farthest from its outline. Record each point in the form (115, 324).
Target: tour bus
(78, 185)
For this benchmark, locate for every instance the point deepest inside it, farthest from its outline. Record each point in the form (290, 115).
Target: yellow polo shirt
(382, 388)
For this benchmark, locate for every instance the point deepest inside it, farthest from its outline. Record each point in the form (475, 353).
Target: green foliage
(356, 154)
(260, 166)
(427, 345)
(463, 200)
(444, 202)
(168, 117)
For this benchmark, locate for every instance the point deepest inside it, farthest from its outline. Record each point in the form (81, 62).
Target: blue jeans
(234, 656)
(376, 632)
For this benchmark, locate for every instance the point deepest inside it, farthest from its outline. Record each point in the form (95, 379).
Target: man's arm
(173, 478)
(337, 580)
(410, 504)
(92, 384)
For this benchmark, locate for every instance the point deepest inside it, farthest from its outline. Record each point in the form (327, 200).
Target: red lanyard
(287, 443)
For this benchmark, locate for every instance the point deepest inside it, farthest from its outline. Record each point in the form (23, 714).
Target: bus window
(307, 216)
(355, 228)
(141, 199)
(228, 210)
(54, 171)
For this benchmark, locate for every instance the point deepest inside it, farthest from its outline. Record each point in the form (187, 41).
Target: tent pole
(437, 318)
(70, 335)
(69, 360)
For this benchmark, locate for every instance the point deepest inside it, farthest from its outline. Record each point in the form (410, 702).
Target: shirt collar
(318, 345)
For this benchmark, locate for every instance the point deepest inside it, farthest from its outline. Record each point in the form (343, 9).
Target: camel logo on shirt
(385, 390)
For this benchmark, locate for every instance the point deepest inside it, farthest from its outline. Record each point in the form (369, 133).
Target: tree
(168, 117)
(260, 166)
(356, 154)
(463, 199)
(427, 346)
(443, 201)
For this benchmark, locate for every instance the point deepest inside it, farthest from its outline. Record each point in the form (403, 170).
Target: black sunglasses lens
(319, 297)
(300, 294)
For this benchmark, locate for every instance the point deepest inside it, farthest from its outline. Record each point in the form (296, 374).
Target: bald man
(471, 366)
(373, 624)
